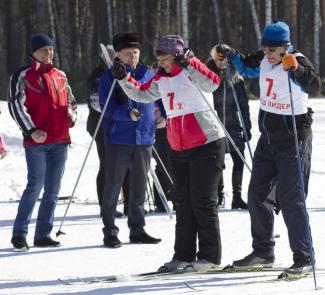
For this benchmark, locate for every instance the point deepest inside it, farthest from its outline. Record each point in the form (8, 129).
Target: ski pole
(222, 126)
(59, 232)
(109, 63)
(301, 182)
(238, 109)
(149, 195)
(161, 193)
(162, 165)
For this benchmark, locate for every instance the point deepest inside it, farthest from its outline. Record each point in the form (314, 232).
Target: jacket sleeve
(144, 93)
(114, 110)
(247, 65)
(305, 75)
(16, 102)
(72, 107)
(205, 78)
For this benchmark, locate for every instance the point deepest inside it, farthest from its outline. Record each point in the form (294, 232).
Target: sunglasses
(269, 49)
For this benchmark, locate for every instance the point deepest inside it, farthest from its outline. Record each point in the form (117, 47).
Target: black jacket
(225, 105)
(93, 84)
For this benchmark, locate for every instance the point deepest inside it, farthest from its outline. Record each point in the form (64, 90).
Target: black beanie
(38, 41)
(126, 40)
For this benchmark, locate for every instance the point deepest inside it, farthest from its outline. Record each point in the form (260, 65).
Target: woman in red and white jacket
(198, 147)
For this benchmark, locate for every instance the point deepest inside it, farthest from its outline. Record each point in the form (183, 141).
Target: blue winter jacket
(118, 126)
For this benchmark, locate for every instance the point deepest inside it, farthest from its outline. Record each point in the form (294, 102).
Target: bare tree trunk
(77, 45)
(322, 43)
(109, 21)
(3, 55)
(316, 34)
(268, 12)
(158, 20)
(217, 20)
(16, 44)
(167, 16)
(293, 20)
(52, 31)
(184, 10)
(179, 16)
(128, 15)
(255, 21)
(41, 16)
(63, 41)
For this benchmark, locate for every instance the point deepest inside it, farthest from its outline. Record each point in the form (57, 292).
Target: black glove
(183, 59)
(249, 135)
(223, 51)
(118, 69)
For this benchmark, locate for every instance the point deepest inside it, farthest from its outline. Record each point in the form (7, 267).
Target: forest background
(78, 26)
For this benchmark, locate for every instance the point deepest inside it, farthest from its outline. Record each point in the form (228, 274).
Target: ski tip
(283, 275)
(228, 267)
(163, 269)
(124, 278)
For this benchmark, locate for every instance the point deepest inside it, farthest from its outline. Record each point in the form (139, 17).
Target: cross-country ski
(162, 147)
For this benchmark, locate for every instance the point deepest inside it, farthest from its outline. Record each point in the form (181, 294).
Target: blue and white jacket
(118, 126)
(275, 120)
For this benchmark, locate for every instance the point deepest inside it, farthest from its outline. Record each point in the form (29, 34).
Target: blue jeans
(45, 166)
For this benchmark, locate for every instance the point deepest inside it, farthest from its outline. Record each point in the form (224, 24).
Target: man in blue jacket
(129, 135)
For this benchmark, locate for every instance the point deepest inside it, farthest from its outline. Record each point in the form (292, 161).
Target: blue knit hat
(38, 41)
(276, 34)
(172, 44)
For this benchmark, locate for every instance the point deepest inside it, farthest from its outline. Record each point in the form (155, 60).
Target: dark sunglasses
(269, 49)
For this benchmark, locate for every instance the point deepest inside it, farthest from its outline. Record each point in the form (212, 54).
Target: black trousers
(119, 160)
(92, 122)
(196, 173)
(237, 177)
(278, 161)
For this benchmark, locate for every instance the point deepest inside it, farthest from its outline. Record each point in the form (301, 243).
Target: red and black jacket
(40, 98)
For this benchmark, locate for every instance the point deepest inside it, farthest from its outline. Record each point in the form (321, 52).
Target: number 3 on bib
(171, 96)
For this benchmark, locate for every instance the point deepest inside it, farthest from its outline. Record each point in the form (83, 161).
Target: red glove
(289, 62)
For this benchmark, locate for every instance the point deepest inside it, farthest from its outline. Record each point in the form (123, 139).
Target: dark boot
(46, 242)
(253, 261)
(238, 203)
(112, 241)
(19, 243)
(143, 238)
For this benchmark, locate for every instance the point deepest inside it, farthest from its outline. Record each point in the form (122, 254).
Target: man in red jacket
(42, 104)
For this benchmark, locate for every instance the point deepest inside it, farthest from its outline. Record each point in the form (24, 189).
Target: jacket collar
(40, 67)
(176, 69)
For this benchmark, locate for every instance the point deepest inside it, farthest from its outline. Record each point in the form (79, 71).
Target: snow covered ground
(82, 254)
